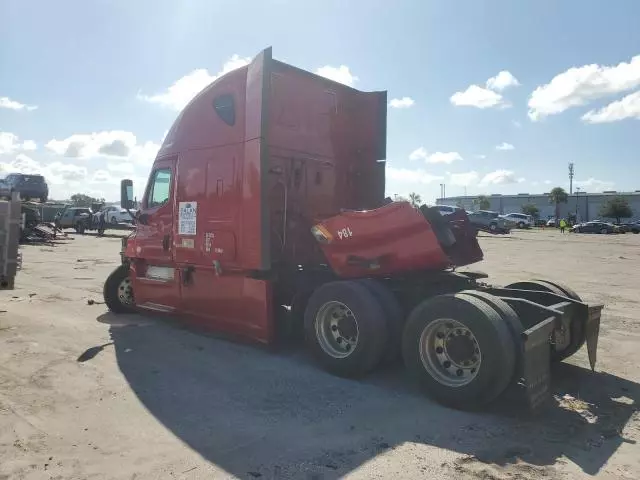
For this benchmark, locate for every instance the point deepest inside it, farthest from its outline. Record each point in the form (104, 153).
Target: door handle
(166, 240)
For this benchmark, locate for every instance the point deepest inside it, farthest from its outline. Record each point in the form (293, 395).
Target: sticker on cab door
(187, 214)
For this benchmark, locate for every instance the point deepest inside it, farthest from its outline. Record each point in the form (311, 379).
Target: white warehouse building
(586, 206)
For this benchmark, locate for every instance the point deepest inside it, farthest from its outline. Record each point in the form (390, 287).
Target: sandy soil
(85, 394)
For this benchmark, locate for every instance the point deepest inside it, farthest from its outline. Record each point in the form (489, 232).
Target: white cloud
(404, 102)
(481, 97)
(547, 182)
(103, 176)
(59, 173)
(535, 183)
(464, 179)
(481, 156)
(580, 85)
(444, 157)
(121, 168)
(115, 145)
(29, 145)
(505, 146)
(178, 95)
(421, 153)
(10, 143)
(20, 164)
(56, 173)
(6, 102)
(475, 96)
(517, 124)
(594, 185)
(627, 107)
(408, 175)
(500, 177)
(340, 74)
(502, 80)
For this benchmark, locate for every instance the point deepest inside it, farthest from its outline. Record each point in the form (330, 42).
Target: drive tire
(493, 227)
(493, 339)
(521, 225)
(113, 288)
(371, 328)
(578, 337)
(114, 220)
(512, 321)
(394, 318)
(79, 227)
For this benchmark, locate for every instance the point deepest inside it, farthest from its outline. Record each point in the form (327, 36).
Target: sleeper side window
(160, 188)
(225, 107)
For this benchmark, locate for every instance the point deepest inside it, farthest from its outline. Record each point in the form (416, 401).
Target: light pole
(577, 192)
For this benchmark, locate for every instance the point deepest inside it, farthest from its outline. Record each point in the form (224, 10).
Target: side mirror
(142, 218)
(126, 194)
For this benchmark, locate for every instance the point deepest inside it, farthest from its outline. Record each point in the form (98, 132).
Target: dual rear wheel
(463, 348)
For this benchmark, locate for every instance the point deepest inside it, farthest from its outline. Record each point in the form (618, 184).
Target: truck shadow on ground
(256, 413)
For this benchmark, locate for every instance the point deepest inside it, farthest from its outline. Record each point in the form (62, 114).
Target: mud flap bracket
(537, 362)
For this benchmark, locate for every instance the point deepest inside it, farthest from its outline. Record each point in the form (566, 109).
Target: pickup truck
(489, 221)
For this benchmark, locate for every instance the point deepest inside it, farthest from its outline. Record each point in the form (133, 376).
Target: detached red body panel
(394, 238)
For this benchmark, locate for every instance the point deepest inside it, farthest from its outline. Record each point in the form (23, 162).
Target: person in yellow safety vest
(563, 225)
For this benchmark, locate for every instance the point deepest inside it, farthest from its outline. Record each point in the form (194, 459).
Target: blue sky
(88, 89)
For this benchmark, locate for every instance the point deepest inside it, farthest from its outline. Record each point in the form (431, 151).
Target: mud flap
(592, 332)
(537, 362)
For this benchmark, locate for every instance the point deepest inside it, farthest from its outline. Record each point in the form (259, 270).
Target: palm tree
(557, 196)
(482, 202)
(415, 199)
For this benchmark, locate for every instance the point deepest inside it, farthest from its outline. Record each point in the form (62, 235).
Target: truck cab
(250, 165)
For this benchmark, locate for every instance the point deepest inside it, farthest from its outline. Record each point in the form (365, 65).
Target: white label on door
(187, 214)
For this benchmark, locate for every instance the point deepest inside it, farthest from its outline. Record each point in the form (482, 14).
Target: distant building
(585, 205)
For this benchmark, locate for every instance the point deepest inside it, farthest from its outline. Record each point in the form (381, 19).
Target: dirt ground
(85, 394)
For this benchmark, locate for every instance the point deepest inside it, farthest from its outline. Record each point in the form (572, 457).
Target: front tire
(114, 220)
(459, 349)
(79, 228)
(345, 328)
(118, 291)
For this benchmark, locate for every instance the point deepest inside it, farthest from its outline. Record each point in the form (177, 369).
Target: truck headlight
(321, 234)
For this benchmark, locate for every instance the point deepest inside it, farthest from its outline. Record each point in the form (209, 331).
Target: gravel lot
(84, 394)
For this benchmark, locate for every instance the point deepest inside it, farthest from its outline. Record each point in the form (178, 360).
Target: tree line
(615, 207)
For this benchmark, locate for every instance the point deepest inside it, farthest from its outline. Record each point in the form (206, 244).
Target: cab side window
(160, 188)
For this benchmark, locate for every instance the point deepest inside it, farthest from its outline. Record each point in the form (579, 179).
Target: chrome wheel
(450, 352)
(336, 329)
(125, 292)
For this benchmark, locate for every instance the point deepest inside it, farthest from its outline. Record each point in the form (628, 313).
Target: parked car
(489, 221)
(28, 186)
(633, 227)
(596, 227)
(447, 210)
(114, 214)
(551, 222)
(78, 218)
(519, 219)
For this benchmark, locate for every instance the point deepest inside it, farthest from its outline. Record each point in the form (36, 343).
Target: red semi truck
(265, 215)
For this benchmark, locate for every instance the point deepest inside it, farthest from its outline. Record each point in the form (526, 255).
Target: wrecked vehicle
(265, 214)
